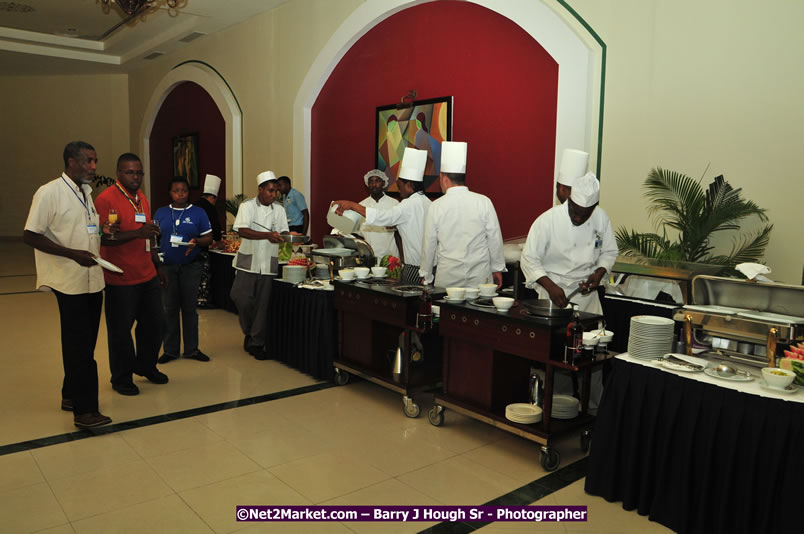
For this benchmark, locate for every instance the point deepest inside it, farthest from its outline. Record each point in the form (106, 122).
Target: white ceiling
(82, 37)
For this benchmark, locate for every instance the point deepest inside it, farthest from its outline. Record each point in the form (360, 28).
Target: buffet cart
(377, 329)
(488, 356)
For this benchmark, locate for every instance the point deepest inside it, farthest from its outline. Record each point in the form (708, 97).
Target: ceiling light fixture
(134, 6)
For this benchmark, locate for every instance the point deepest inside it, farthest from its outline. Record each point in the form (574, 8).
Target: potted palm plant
(688, 216)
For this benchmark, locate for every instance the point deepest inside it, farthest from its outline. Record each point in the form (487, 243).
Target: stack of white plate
(523, 413)
(564, 407)
(294, 273)
(651, 336)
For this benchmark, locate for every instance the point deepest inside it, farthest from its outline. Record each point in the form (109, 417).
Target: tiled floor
(339, 445)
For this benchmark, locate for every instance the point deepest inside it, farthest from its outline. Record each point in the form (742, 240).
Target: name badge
(92, 229)
(139, 217)
(175, 238)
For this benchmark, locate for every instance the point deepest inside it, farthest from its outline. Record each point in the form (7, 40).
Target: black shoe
(259, 353)
(126, 389)
(67, 405)
(91, 420)
(167, 358)
(200, 356)
(155, 377)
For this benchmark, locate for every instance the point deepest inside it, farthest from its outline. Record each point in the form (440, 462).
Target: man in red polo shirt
(135, 294)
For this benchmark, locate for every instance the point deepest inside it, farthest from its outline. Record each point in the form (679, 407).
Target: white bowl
(603, 336)
(589, 339)
(456, 293)
(472, 293)
(347, 274)
(487, 290)
(378, 271)
(503, 303)
(362, 272)
(778, 378)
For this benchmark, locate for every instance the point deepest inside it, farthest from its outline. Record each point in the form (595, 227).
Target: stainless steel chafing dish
(745, 320)
(344, 251)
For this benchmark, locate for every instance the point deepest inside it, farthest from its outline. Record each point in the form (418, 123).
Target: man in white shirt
(569, 246)
(461, 231)
(62, 227)
(381, 238)
(408, 216)
(260, 222)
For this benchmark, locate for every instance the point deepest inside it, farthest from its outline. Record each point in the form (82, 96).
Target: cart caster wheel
(341, 377)
(436, 415)
(586, 441)
(411, 409)
(550, 459)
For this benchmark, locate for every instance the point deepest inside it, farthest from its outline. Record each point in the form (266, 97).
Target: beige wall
(41, 114)
(264, 60)
(717, 83)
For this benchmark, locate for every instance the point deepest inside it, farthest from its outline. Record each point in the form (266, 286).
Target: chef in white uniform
(461, 231)
(260, 222)
(381, 238)
(408, 216)
(573, 166)
(569, 246)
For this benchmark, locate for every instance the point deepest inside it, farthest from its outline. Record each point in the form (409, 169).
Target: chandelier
(134, 6)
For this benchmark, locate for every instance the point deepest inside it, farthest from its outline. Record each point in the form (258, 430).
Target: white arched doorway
(578, 51)
(214, 84)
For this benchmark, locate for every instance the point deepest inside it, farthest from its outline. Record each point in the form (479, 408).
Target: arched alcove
(220, 92)
(568, 40)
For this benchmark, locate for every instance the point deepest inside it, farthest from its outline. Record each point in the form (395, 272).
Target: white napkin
(754, 271)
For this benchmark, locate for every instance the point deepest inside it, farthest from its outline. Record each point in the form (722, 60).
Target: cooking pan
(546, 308)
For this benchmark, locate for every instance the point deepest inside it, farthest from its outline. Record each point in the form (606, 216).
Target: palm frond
(680, 196)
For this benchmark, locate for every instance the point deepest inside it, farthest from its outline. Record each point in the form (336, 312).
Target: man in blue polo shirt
(295, 206)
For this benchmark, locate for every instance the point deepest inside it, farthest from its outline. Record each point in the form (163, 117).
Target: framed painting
(185, 158)
(423, 125)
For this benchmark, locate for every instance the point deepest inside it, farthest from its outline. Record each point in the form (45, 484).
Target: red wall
(505, 89)
(188, 109)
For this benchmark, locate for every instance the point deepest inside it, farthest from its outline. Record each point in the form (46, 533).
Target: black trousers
(80, 320)
(140, 303)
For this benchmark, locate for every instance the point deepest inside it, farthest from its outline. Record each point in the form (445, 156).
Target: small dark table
(301, 329)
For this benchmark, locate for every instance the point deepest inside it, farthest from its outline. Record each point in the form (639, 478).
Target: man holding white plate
(63, 228)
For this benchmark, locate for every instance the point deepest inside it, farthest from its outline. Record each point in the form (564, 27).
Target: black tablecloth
(696, 457)
(221, 278)
(301, 329)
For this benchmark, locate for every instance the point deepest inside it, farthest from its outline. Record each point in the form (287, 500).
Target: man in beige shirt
(62, 227)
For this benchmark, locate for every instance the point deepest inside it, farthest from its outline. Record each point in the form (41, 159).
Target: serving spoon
(728, 370)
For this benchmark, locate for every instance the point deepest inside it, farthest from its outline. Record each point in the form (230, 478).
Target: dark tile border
(523, 496)
(157, 419)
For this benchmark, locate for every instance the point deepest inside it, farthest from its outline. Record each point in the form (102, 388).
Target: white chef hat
(212, 184)
(264, 177)
(586, 190)
(413, 163)
(453, 157)
(573, 166)
(379, 174)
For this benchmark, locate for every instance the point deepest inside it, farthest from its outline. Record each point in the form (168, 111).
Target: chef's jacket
(259, 255)
(462, 232)
(568, 254)
(380, 238)
(408, 216)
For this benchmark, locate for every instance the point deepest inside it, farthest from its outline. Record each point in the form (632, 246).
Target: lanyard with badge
(175, 237)
(139, 216)
(92, 228)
